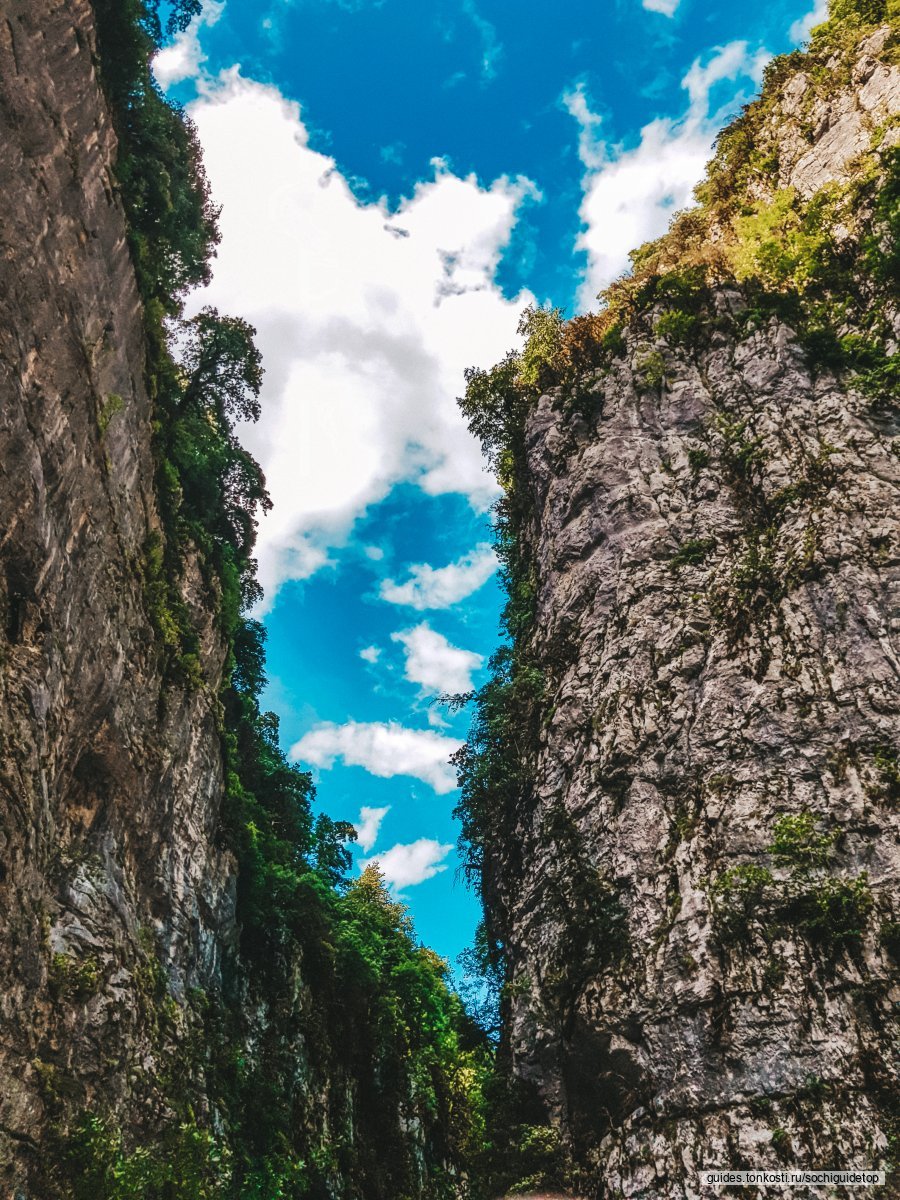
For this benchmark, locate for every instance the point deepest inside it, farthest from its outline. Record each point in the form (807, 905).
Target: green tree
(222, 367)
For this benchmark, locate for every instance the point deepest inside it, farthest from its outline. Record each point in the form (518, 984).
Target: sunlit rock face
(715, 543)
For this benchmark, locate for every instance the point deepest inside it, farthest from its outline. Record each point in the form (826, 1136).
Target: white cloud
(631, 194)
(383, 749)
(370, 654)
(375, 553)
(366, 319)
(591, 148)
(183, 58)
(440, 587)
(491, 49)
(668, 8)
(436, 665)
(801, 28)
(369, 824)
(728, 62)
(406, 865)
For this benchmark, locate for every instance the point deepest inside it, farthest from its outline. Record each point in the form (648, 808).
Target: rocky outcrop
(697, 896)
(110, 783)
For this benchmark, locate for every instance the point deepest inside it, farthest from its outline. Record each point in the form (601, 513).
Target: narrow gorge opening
(449, 746)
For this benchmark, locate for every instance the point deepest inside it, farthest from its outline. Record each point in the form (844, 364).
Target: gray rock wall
(718, 563)
(110, 784)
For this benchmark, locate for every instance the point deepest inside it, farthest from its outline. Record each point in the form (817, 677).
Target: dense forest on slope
(794, 241)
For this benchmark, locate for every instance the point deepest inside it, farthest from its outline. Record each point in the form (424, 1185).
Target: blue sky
(397, 182)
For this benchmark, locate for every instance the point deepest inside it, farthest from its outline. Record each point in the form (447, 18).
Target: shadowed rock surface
(111, 785)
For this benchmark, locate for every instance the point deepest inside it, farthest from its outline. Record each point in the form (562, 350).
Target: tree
(222, 365)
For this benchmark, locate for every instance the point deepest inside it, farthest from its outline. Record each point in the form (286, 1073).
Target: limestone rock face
(110, 784)
(717, 556)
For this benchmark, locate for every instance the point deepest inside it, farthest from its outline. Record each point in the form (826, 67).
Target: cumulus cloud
(434, 663)
(406, 865)
(367, 317)
(631, 194)
(385, 749)
(369, 825)
(440, 587)
(370, 654)
(184, 58)
(801, 28)
(668, 8)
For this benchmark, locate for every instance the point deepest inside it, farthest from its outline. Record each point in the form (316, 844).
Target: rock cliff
(680, 793)
(111, 783)
(194, 1002)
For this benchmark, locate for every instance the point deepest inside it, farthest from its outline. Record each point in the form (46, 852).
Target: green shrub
(860, 12)
(190, 1164)
(886, 761)
(613, 340)
(650, 371)
(586, 909)
(753, 585)
(777, 246)
(737, 896)
(830, 911)
(781, 1142)
(541, 1159)
(493, 772)
(112, 405)
(693, 552)
(677, 327)
(171, 219)
(72, 978)
(539, 363)
(796, 842)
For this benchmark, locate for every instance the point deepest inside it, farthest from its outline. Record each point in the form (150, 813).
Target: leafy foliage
(74, 979)
(862, 12)
(334, 963)
(492, 762)
(737, 894)
(831, 911)
(797, 842)
(539, 360)
(693, 552)
(159, 171)
(192, 1166)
